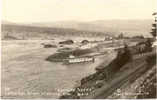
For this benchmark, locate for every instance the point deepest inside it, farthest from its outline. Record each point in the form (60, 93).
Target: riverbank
(99, 88)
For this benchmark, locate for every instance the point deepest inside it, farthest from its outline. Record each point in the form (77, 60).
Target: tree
(153, 32)
(148, 45)
(127, 52)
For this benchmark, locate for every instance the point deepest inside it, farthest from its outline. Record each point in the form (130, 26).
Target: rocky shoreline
(97, 81)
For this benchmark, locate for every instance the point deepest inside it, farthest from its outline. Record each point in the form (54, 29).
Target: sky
(77, 10)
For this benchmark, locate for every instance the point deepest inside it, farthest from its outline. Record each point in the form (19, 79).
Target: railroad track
(106, 90)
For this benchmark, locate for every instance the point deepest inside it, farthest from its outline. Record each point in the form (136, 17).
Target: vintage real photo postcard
(78, 49)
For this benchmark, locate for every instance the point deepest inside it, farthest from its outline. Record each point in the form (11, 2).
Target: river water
(26, 73)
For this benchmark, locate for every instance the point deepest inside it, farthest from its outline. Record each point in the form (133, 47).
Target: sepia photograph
(78, 49)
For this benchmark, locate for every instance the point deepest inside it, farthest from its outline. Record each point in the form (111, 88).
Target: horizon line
(72, 20)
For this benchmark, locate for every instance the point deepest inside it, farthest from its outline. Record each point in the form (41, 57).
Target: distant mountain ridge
(112, 27)
(42, 32)
(128, 27)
